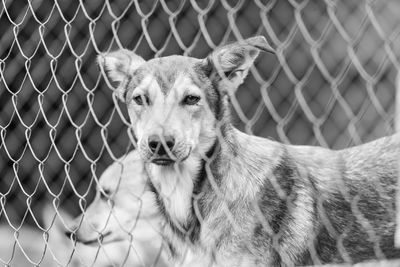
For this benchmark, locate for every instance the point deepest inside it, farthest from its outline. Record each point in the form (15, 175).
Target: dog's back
(354, 199)
(323, 206)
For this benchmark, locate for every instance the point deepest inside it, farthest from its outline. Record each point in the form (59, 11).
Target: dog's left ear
(117, 66)
(231, 63)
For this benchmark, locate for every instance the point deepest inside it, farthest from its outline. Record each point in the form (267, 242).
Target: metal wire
(330, 83)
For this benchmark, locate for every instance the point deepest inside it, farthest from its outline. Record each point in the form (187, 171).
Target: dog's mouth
(163, 161)
(167, 161)
(94, 242)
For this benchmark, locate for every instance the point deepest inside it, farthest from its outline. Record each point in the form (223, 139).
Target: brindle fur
(257, 202)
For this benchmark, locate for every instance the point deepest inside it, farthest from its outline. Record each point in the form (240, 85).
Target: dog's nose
(156, 144)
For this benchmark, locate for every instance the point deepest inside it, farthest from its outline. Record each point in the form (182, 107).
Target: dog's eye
(190, 100)
(105, 194)
(141, 100)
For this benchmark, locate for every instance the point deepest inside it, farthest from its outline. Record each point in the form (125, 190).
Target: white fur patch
(175, 185)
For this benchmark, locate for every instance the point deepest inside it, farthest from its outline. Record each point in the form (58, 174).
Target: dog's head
(123, 207)
(176, 102)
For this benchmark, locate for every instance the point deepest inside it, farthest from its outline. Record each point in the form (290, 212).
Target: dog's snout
(156, 144)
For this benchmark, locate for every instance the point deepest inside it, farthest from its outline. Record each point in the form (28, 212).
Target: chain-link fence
(330, 83)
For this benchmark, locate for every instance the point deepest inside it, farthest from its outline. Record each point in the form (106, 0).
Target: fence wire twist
(330, 83)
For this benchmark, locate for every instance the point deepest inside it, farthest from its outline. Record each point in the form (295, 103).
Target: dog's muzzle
(91, 242)
(161, 148)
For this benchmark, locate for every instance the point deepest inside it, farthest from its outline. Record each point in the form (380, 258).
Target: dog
(232, 199)
(122, 222)
(66, 252)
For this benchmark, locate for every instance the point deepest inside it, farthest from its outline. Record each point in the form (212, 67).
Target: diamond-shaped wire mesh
(330, 83)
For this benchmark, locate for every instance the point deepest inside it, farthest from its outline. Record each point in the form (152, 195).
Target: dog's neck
(174, 187)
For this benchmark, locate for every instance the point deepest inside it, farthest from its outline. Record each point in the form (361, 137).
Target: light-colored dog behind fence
(124, 210)
(121, 227)
(231, 199)
(30, 246)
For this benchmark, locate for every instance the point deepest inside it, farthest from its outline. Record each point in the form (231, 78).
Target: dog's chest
(174, 189)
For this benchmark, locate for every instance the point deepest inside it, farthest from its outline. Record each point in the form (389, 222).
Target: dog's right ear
(229, 65)
(117, 66)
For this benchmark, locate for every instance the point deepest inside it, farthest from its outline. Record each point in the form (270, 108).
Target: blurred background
(331, 82)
